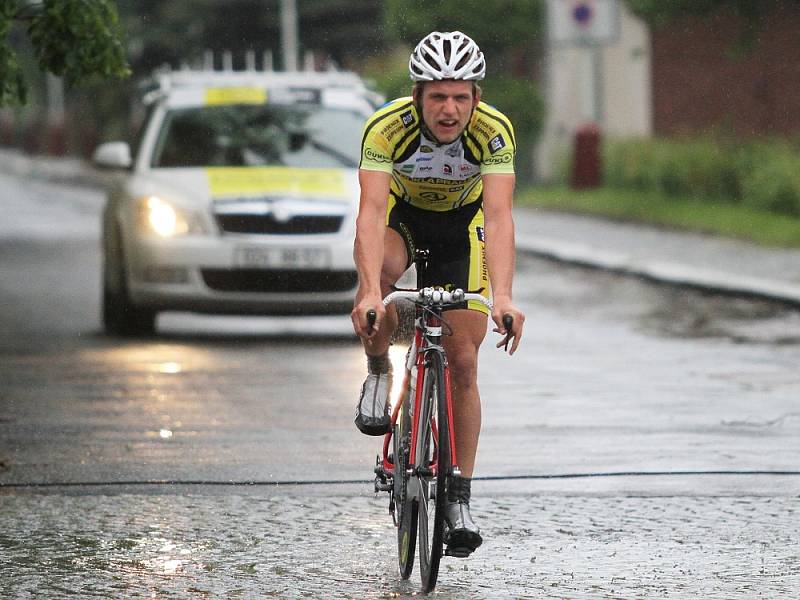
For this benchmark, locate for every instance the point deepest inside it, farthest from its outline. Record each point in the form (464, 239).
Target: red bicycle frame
(420, 340)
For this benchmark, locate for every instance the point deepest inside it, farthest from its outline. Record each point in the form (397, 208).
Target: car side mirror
(297, 140)
(113, 155)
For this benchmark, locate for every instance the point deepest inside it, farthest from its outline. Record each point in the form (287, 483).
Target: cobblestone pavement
(258, 545)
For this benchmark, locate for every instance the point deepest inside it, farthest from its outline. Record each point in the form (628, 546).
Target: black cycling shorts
(455, 240)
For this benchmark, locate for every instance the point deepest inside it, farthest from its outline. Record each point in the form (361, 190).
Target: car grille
(279, 281)
(268, 224)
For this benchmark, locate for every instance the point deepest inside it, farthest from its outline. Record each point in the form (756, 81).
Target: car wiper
(340, 156)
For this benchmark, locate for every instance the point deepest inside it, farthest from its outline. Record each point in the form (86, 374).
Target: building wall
(706, 79)
(609, 85)
(627, 80)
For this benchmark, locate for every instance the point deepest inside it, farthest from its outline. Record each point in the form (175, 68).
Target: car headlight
(158, 216)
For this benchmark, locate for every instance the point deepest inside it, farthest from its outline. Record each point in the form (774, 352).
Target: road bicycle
(419, 452)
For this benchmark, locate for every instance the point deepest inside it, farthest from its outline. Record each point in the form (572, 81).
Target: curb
(665, 272)
(68, 170)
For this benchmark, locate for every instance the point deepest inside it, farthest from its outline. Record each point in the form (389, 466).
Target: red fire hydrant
(586, 165)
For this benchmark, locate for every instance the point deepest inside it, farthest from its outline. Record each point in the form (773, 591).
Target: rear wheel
(435, 452)
(406, 506)
(120, 315)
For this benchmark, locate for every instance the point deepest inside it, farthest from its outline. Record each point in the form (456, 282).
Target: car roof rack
(165, 78)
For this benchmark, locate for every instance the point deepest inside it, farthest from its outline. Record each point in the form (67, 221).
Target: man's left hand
(513, 334)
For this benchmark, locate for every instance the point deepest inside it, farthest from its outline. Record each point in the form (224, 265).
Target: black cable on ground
(256, 483)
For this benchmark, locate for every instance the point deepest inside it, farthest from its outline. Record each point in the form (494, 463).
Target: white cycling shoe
(372, 412)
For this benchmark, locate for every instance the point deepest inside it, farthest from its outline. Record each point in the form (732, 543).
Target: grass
(715, 217)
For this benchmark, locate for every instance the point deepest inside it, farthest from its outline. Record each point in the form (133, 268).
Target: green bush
(772, 178)
(696, 168)
(762, 174)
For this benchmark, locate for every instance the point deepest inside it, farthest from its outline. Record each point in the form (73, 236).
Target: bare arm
(368, 248)
(498, 196)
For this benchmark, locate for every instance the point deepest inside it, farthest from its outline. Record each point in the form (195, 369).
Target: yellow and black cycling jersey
(433, 176)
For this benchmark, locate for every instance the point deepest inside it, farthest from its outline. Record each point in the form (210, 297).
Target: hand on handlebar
(510, 322)
(366, 317)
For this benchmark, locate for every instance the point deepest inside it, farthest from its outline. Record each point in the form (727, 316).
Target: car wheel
(120, 315)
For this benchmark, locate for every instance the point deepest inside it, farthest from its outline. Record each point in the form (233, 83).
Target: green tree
(661, 11)
(512, 53)
(75, 39)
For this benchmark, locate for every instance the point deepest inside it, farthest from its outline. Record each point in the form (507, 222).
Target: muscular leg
(469, 329)
(394, 265)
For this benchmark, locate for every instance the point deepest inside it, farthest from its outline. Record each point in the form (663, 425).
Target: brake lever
(508, 321)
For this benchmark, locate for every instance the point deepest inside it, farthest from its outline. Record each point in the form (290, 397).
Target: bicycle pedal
(383, 487)
(458, 552)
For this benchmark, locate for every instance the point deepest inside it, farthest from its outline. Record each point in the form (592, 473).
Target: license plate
(253, 257)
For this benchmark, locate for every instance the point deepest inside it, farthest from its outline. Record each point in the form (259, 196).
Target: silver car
(241, 198)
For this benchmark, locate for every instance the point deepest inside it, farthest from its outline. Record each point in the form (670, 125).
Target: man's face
(446, 107)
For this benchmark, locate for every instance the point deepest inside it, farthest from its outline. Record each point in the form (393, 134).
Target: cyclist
(437, 172)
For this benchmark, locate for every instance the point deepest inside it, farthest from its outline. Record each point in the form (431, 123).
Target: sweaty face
(446, 107)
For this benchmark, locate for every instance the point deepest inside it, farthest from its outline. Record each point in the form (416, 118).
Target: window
(259, 135)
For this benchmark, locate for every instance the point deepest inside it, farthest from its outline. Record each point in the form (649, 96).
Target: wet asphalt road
(616, 376)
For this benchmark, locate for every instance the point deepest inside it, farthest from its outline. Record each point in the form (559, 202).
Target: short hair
(419, 86)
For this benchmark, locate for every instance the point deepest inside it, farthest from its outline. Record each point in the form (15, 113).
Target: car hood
(198, 188)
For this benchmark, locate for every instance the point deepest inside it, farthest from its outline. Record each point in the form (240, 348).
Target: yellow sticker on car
(255, 181)
(235, 95)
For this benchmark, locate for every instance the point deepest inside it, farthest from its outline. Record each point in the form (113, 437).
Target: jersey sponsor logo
(466, 168)
(484, 128)
(425, 149)
(370, 154)
(447, 169)
(479, 231)
(443, 182)
(498, 160)
(425, 169)
(496, 144)
(407, 118)
(424, 159)
(433, 196)
(407, 169)
(390, 129)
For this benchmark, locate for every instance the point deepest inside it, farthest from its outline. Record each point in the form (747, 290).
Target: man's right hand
(359, 316)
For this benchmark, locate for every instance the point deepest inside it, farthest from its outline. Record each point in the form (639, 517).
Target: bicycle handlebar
(430, 296)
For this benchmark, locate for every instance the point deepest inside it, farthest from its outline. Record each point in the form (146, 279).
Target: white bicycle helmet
(447, 55)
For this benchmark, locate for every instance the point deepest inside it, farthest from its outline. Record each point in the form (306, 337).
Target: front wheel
(120, 315)
(433, 456)
(406, 505)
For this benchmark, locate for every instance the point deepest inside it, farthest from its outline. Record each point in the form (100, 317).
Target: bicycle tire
(431, 515)
(406, 506)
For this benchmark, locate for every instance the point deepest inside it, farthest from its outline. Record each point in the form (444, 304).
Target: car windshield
(259, 135)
